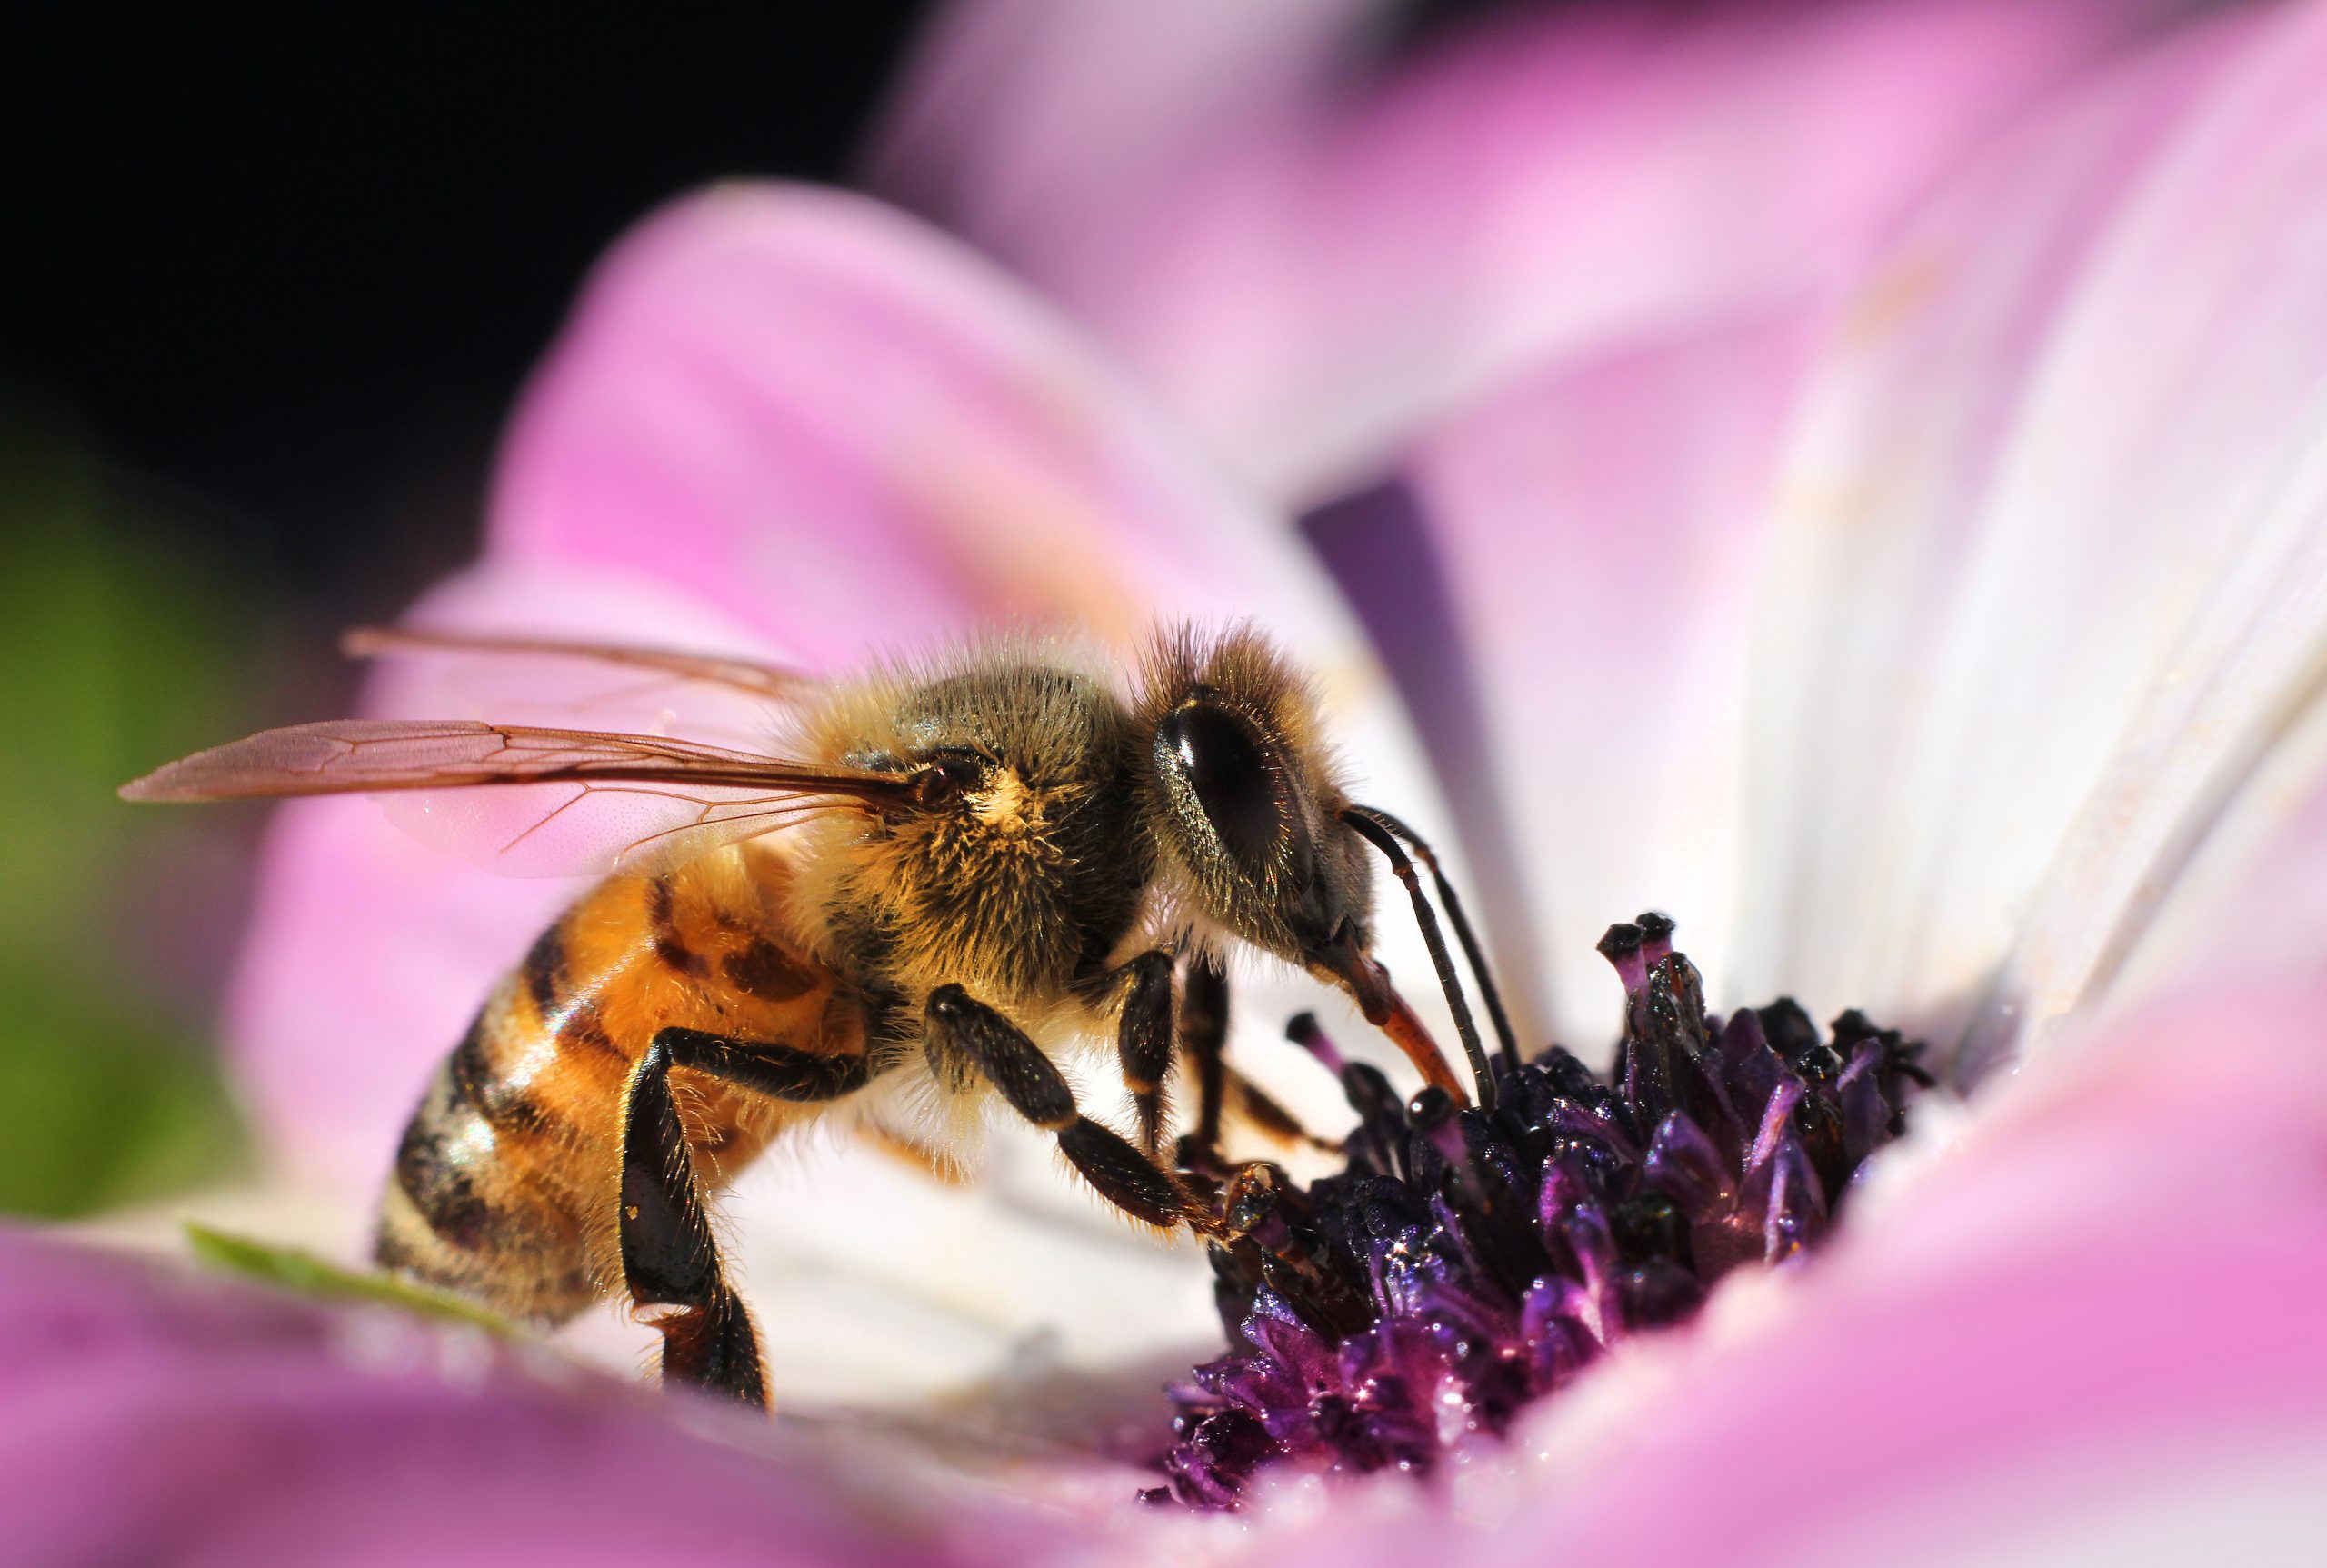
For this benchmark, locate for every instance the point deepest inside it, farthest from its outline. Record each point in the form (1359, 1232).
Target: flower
(1948, 646)
(1469, 1262)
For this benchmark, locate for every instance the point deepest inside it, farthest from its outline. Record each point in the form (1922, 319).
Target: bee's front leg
(669, 1258)
(967, 1040)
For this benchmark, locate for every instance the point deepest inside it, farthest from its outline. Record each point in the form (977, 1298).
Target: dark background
(280, 269)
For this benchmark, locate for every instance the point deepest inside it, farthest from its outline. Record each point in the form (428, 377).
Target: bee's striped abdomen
(478, 1203)
(507, 1180)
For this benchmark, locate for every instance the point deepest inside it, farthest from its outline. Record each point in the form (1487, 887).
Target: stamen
(1304, 1031)
(1621, 948)
(1470, 1262)
(1655, 936)
(1370, 828)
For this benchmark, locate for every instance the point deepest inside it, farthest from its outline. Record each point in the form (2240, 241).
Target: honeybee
(949, 874)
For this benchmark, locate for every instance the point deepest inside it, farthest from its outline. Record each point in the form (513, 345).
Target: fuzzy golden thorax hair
(1024, 865)
(1052, 820)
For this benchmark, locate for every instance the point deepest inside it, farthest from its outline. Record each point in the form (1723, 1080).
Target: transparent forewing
(590, 827)
(528, 802)
(645, 691)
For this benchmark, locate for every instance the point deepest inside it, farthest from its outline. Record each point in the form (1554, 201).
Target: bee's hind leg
(669, 1257)
(966, 1040)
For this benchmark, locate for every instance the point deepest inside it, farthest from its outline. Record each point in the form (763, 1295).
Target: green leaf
(304, 1274)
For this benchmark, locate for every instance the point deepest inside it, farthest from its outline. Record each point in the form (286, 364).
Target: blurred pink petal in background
(1310, 254)
(802, 407)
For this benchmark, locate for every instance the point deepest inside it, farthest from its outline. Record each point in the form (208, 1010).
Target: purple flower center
(1468, 1262)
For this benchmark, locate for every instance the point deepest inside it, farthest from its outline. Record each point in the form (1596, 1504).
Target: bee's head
(1246, 807)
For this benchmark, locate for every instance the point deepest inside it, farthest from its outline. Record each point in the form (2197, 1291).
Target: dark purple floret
(1468, 1262)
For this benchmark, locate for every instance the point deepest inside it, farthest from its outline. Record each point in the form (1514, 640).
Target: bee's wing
(548, 681)
(525, 801)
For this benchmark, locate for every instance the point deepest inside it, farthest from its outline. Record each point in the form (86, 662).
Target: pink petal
(1308, 280)
(150, 1416)
(2051, 566)
(837, 425)
(1014, 113)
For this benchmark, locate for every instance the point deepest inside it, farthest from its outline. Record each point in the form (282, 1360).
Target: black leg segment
(779, 1072)
(669, 1257)
(1143, 1042)
(1126, 1178)
(967, 1041)
(1204, 1036)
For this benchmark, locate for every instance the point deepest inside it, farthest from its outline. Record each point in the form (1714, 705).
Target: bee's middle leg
(1223, 1093)
(1143, 1042)
(1202, 1036)
(669, 1257)
(965, 1038)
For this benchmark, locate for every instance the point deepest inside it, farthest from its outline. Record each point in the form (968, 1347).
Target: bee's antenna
(1506, 1039)
(1377, 830)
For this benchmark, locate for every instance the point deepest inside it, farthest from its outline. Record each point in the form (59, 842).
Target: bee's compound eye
(1210, 749)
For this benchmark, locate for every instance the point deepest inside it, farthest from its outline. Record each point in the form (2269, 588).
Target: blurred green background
(120, 646)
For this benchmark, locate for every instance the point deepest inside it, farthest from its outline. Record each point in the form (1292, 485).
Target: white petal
(2050, 556)
(1598, 530)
